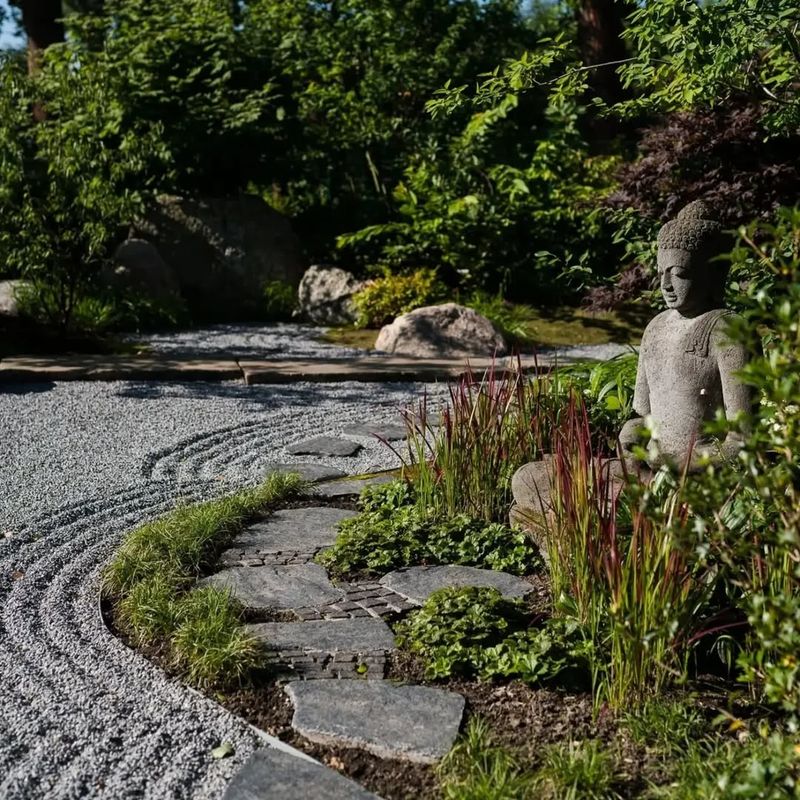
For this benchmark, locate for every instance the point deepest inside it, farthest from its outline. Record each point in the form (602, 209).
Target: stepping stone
(279, 775)
(324, 446)
(345, 488)
(329, 636)
(415, 723)
(294, 586)
(308, 472)
(293, 529)
(419, 583)
(389, 431)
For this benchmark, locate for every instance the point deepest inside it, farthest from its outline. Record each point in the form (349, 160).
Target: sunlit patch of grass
(478, 769)
(209, 641)
(577, 771)
(159, 562)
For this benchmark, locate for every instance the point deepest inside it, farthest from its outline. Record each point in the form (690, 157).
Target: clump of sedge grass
(577, 771)
(622, 566)
(151, 576)
(478, 769)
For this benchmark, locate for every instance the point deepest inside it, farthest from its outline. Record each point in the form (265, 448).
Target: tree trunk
(41, 20)
(600, 25)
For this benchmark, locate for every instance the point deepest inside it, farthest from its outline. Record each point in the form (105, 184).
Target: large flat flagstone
(295, 586)
(308, 471)
(383, 430)
(415, 723)
(360, 635)
(301, 529)
(419, 583)
(324, 446)
(277, 775)
(350, 486)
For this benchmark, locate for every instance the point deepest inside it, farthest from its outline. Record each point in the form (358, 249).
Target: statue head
(691, 282)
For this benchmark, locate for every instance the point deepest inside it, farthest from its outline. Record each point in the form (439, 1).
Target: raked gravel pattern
(80, 464)
(279, 340)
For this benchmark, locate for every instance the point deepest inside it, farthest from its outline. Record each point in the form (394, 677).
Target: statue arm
(737, 396)
(629, 435)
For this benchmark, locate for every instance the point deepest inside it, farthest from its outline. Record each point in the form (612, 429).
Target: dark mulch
(268, 707)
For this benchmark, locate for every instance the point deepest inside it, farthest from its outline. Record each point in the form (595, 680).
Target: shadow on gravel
(27, 388)
(265, 395)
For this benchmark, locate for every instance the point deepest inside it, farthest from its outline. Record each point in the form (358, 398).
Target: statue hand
(630, 433)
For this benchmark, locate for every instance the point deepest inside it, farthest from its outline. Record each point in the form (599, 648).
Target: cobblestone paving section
(360, 600)
(80, 714)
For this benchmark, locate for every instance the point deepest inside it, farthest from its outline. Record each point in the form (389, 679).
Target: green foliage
(529, 225)
(353, 80)
(151, 576)
(469, 631)
(68, 188)
(478, 769)
(511, 319)
(209, 641)
(280, 301)
(690, 54)
(390, 533)
(577, 771)
(389, 296)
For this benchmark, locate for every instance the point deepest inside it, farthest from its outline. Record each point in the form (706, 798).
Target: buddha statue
(687, 364)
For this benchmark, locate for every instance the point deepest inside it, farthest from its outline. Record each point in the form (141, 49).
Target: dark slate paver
(352, 635)
(415, 723)
(324, 446)
(277, 775)
(288, 587)
(352, 486)
(299, 529)
(391, 432)
(307, 471)
(419, 583)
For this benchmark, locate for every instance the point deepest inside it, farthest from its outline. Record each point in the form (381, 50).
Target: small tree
(66, 190)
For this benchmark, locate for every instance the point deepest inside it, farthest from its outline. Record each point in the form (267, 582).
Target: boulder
(138, 266)
(222, 251)
(444, 331)
(326, 294)
(9, 297)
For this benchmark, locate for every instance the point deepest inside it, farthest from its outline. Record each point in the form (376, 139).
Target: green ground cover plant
(476, 631)
(150, 583)
(392, 532)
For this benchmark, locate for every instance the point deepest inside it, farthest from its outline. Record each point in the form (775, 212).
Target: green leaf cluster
(476, 631)
(391, 295)
(390, 533)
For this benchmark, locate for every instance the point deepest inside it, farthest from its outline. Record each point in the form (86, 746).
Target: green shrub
(389, 296)
(389, 535)
(280, 301)
(209, 641)
(475, 631)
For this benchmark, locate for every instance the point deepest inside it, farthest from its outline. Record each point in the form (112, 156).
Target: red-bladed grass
(461, 458)
(621, 561)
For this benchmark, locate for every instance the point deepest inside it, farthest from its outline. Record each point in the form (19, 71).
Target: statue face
(681, 286)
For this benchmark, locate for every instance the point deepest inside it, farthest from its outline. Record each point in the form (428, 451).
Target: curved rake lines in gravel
(88, 704)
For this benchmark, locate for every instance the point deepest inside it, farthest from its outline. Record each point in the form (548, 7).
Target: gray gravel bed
(278, 340)
(80, 714)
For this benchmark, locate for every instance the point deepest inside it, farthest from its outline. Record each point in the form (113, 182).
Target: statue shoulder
(655, 326)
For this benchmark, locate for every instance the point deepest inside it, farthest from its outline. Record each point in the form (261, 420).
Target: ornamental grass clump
(461, 461)
(623, 563)
(150, 584)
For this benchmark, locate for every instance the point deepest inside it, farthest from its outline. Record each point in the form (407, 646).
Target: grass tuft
(158, 563)
(577, 771)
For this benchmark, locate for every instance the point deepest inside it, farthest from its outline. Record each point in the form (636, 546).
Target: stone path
(345, 638)
(81, 715)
